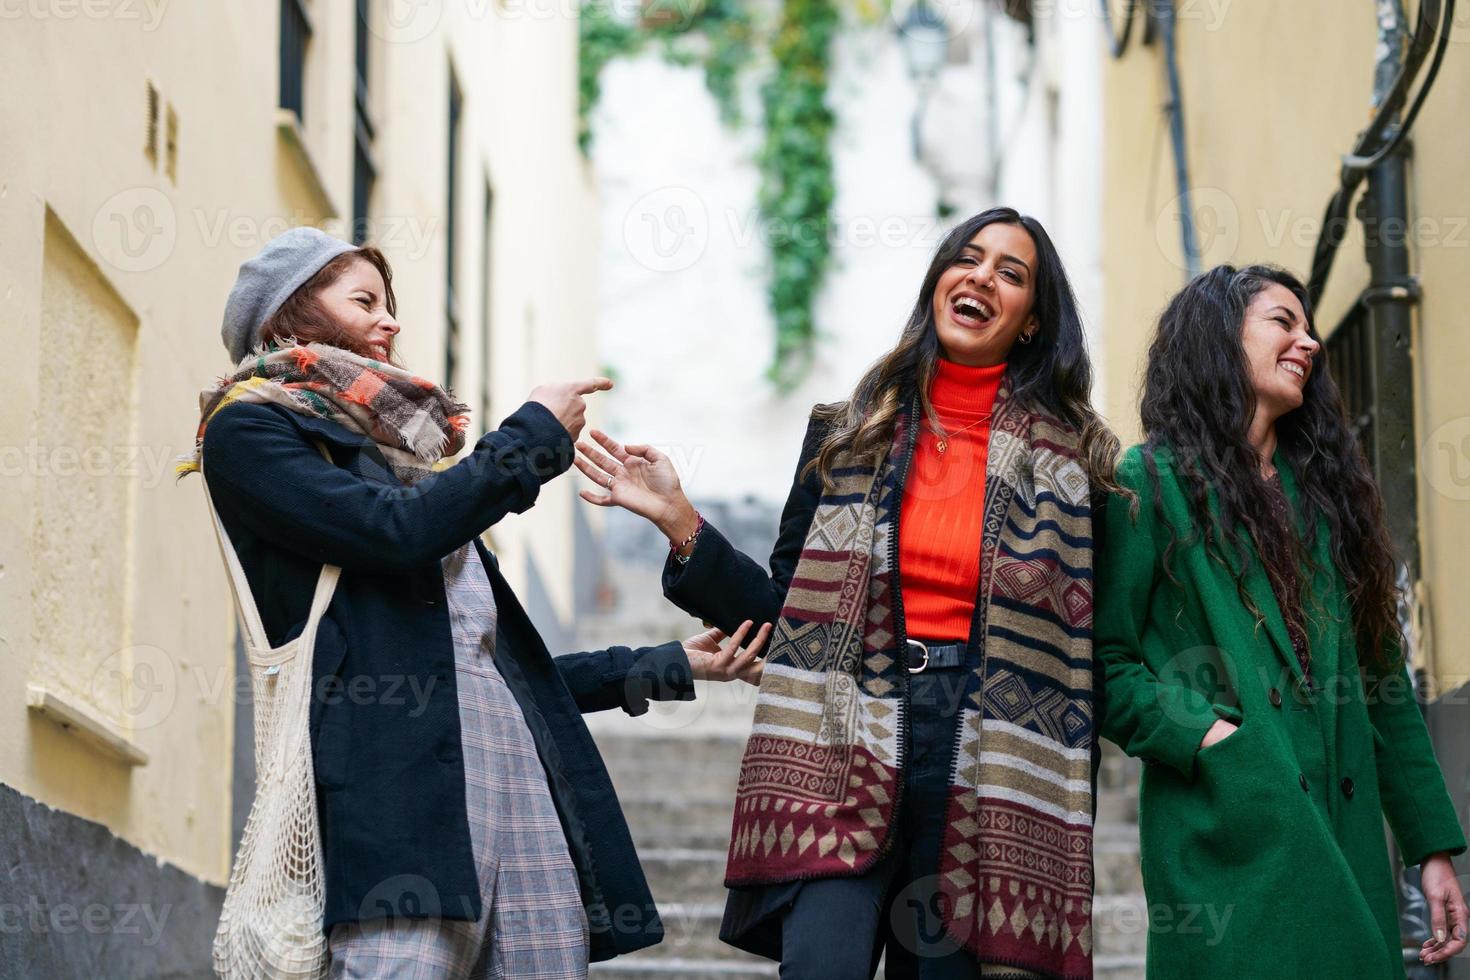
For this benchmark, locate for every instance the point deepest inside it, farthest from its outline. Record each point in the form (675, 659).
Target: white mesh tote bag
(271, 924)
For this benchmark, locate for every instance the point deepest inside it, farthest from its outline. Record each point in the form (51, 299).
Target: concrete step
(1104, 968)
(1120, 925)
(692, 764)
(721, 711)
(1116, 806)
(647, 966)
(680, 821)
(685, 876)
(1115, 861)
(1117, 771)
(636, 967)
(692, 932)
(1117, 967)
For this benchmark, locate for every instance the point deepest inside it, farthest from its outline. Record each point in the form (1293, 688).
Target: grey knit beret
(269, 279)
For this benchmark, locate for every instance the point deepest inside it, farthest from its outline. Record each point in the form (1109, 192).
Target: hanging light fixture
(925, 40)
(924, 37)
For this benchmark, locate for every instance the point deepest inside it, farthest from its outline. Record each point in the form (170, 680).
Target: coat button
(1275, 698)
(1302, 778)
(1347, 786)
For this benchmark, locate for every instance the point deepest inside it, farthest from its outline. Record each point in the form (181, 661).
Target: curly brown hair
(1198, 403)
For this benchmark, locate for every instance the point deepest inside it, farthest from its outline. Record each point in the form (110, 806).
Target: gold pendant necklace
(943, 444)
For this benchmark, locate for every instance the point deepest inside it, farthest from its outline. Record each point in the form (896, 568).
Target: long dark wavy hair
(1198, 401)
(1051, 373)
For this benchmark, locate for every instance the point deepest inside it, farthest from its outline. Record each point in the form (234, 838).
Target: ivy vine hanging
(796, 186)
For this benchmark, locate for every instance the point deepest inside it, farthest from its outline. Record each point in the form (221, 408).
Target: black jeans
(837, 928)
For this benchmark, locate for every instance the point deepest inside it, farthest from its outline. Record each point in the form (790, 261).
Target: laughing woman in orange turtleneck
(919, 773)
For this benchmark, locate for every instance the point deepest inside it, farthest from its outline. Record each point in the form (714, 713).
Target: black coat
(385, 713)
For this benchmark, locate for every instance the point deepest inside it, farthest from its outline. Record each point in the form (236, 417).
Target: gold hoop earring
(1025, 338)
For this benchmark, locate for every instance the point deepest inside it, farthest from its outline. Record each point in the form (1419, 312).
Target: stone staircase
(675, 774)
(1119, 913)
(676, 779)
(675, 770)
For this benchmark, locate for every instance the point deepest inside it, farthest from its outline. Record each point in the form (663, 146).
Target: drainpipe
(1390, 298)
(1160, 15)
(1189, 239)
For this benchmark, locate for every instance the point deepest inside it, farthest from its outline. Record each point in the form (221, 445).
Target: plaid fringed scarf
(821, 776)
(415, 422)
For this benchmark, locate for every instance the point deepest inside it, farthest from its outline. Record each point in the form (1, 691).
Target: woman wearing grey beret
(461, 798)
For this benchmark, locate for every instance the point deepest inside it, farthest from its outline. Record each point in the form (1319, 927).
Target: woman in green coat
(1247, 626)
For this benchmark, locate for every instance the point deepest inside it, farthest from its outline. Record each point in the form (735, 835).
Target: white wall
(688, 332)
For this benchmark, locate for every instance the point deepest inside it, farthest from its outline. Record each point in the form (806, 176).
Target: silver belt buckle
(919, 669)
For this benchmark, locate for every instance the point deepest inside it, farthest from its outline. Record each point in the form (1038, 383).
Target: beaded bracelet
(674, 549)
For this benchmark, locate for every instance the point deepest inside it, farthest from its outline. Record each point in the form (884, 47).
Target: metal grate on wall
(1350, 359)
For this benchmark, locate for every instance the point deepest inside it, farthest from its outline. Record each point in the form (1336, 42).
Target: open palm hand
(637, 478)
(713, 656)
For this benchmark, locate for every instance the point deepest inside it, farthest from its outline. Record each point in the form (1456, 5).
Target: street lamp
(925, 40)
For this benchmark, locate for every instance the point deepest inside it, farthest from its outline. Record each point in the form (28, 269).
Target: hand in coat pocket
(1219, 732)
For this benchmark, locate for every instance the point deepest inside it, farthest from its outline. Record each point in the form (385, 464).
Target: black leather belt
(924, 654)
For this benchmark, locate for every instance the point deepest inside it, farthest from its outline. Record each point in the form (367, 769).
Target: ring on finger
(610, 480)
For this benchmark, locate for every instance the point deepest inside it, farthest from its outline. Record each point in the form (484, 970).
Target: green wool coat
(1263, 855)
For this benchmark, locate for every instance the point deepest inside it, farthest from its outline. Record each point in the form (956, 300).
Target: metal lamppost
(925, 40)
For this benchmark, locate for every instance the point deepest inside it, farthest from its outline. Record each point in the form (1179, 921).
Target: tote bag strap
(245, 605)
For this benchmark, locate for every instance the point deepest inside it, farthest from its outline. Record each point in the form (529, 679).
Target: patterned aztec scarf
(415, 423)
(819, 779)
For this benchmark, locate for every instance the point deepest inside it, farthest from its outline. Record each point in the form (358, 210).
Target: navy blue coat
(385, 715)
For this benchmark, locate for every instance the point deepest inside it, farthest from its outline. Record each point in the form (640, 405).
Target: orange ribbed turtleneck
(944, 501)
